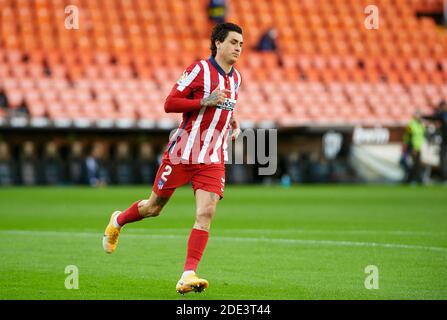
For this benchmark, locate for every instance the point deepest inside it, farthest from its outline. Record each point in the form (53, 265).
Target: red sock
(196, 245)
(130, 215)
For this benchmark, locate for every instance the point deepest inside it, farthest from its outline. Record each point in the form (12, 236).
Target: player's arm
(181, 97)
(179, 102)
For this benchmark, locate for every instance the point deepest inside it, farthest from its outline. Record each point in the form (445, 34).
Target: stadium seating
(126, 55)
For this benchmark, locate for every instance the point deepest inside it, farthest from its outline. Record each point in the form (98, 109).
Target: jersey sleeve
(180, 98)
(238, 87)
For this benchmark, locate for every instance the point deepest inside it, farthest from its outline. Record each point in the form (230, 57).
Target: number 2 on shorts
(167, 172)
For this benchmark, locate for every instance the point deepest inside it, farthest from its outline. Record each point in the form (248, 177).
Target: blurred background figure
(332, 144)
(293, 167)
(217, 10)
(267, 42)
(318, 168)
(6, 165)
(413, 140)
(440, 116)
(29, 164)
(146, 164)
(52, 165)
(123, 164)
(240, 173)
(3, 100)
(76, 163)
(96, 166)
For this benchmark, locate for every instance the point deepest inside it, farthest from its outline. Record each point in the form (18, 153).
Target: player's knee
(154, 211)
(206, 213)
(148, 209)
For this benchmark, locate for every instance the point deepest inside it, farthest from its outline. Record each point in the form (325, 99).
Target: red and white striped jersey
(201, 137)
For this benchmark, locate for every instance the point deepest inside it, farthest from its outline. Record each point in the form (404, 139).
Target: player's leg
(208, 184)
(206, 203)
(139, 210)
(168, 178)
(143, 209)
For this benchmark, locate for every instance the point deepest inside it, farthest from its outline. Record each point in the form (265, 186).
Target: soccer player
(206, 94)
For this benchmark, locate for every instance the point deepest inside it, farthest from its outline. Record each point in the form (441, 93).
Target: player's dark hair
(220, 33)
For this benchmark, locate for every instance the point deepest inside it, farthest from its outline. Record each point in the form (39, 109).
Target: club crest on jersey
(236, 87)
(228, 104)
(183, 77)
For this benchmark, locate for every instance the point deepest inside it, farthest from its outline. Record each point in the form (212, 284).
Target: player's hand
(216, 97)
(236, 132)
(236, 129)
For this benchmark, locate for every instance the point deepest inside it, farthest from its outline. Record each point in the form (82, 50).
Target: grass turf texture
(265, 243)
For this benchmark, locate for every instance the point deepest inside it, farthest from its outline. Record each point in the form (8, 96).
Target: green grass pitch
(266, 242)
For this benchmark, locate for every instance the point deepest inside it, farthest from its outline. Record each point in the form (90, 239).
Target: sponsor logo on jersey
(228, 104)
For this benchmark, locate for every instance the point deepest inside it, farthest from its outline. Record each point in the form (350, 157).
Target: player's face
(231, 48)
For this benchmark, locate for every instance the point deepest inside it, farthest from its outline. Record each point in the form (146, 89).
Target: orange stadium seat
(137, 46)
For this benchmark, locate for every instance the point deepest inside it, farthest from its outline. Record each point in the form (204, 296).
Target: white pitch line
(317, 231)
(242, 239)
